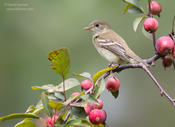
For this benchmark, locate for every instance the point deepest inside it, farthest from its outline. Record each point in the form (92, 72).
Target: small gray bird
(110, 45)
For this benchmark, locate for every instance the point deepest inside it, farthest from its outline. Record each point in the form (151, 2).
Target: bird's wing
(114, 47)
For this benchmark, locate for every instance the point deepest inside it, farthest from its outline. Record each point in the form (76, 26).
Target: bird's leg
(111, 64)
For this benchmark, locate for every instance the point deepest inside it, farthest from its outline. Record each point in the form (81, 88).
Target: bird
(110, 45)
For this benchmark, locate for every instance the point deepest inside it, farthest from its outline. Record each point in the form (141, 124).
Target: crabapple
(75, 94)
(86, 84)
(155, 7)
(112, 84)
(97, 106)
(167, 61)
(87, 109)
(150, 25)
(97, 116)
(50, 121)
(164, 45)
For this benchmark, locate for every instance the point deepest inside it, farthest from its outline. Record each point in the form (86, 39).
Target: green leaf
(137, 21)
(26, 123)
(98, 74)
(76, 122)
(38, 110)
(84, 75)
(49, 88)
(90, 99)
(115, 94)
(72, 98)
(30, 109)
(56, 105)
(18, 115)
(101, 125)
(60, 61)
(60, 123)
(99, 88)
(45, 102)
(146, 34)
(59, 95)
(134, 4)
(66, 115)
(78, 112)
(69, 83)
(134, 10)
(126, 8)
(79, 104)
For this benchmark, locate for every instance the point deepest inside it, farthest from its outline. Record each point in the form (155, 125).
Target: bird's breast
(111, 57)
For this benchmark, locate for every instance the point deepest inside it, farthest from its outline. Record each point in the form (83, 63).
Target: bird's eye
(97, 25)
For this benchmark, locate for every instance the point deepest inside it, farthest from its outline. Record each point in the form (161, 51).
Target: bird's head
(97, 26)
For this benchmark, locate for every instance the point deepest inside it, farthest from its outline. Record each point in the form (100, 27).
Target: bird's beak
(88, 28)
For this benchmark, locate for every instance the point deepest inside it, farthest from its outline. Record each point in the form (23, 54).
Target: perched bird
(110, 45)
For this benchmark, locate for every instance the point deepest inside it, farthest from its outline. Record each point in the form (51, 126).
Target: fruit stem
(149, 9)
(172, 32)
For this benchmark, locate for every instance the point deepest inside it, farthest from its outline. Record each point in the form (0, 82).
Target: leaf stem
(64, 88)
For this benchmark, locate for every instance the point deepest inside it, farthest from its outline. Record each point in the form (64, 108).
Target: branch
(149, 61)
(162, 91)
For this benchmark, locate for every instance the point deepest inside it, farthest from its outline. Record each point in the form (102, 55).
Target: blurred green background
(29, 34)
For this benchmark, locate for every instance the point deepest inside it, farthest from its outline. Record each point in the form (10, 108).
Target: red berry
(51, 121)
(104, 115)
(164, 45)
(97, 116)
(87, 109)
(174, 52)
(112, 84)
(86, 84)
(155, 8)
(97, 106)
(151, 25)
(167, 61)
(75, 94)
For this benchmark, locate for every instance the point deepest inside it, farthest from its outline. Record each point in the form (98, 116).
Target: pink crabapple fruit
(167, 61)
(51, 121)
(75, 94)
(87, 109)
(86, 84)
(112, 84)
(155, 7)
(150, 25)
(97, 116)
(97, 106)
(164, 45)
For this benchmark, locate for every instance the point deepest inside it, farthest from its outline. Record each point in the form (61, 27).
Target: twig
(67, 116)
(162, 91)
